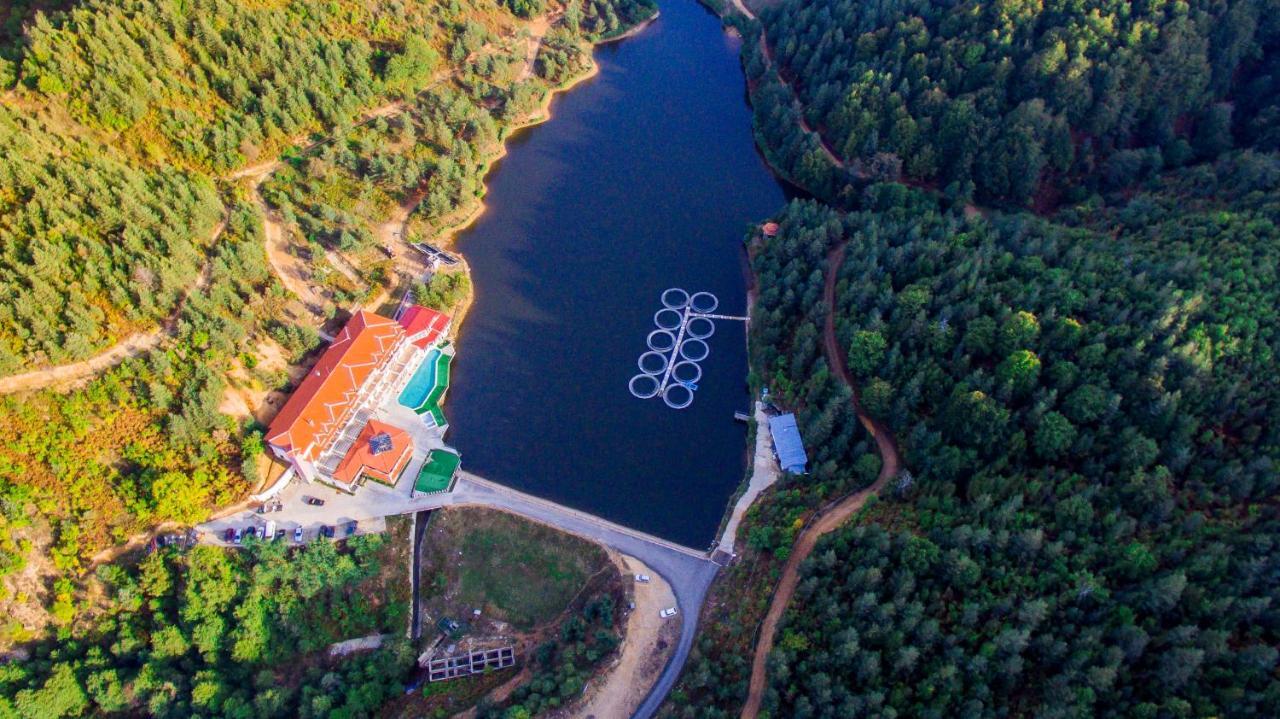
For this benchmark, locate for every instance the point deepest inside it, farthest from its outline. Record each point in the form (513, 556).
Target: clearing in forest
(513, 570)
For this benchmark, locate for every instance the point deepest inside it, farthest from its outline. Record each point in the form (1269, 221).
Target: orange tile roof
(309, 420)
(418, 320)
(770, 229)
(361, 458)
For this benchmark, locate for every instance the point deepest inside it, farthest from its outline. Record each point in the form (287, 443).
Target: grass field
(514, 570)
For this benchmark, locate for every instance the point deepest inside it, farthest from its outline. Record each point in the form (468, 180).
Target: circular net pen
(677, 396)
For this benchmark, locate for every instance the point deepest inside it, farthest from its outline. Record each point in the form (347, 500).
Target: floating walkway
(670, 368)
(434, 253)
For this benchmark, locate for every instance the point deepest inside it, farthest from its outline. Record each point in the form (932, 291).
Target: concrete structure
(323, 430)
(787, 445)
(764, 472)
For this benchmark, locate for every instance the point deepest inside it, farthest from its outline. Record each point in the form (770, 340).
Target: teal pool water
(415, 393)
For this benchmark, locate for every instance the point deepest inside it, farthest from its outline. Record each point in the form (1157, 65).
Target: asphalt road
(689, 571)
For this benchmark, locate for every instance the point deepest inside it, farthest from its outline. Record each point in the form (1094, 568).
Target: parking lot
(368, 507)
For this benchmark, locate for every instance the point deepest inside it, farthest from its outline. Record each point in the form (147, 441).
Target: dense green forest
(122, 112)
(122, 115)
(90, 244)
(1092, 526)
(1084, 396)
(212, 633)
(1020, 102)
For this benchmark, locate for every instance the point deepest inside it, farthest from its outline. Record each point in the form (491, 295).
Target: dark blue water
(644, 179)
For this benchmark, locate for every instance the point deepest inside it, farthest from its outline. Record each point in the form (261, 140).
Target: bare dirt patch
(646, 647)
(247, 395)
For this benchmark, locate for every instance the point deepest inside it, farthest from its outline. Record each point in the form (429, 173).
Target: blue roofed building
(787, 446)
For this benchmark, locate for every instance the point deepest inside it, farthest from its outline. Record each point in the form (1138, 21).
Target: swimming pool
(420, 385)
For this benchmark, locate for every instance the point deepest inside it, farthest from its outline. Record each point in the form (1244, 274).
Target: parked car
(270, 530)
(280, 533)
(326, 531)
(238, 537)
(667, 613)
(313, 501)
(263, 509)
(351, 527)
(642, 578)
(279, 506)
(228, 535)
(297, 534)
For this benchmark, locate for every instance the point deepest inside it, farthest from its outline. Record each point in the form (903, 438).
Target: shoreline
(629, 32)
(446, 235)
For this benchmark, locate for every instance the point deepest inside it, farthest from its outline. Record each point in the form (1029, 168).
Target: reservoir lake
(646, 177)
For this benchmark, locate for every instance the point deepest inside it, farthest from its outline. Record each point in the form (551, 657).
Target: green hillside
(1082, 396)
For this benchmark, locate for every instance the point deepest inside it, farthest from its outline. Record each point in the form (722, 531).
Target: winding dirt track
(131, 346)
(833, 515)
(827, 149)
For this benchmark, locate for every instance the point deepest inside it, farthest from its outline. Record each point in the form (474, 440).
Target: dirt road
(131, 346)
(648, 643)
(830, 517)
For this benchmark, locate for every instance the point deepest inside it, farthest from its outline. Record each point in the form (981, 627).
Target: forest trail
(537, 31)
(742, 8)
(260, 171)
(131, 346)
(290, 269)
(827, 150)
(831, 517)
(142, 342)
(795, 99)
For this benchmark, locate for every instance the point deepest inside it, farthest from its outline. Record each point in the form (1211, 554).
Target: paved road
(689, 571)
(764, 473)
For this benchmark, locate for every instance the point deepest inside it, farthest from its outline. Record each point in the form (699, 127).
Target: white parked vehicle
(642, 578)
(270, 533)
(667, 613)
(297, 534)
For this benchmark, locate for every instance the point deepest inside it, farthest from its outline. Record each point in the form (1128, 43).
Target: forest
(1092, 520)
(144, 443)
(1019, 103)
(1077, 369)
(124, 115)
(231, 634)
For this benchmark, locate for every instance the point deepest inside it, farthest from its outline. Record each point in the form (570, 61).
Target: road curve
(688, 571)
(830, 517)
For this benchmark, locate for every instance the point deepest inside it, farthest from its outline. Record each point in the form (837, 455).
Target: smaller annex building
(327, 430)
(787, 445)
(380, 452)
